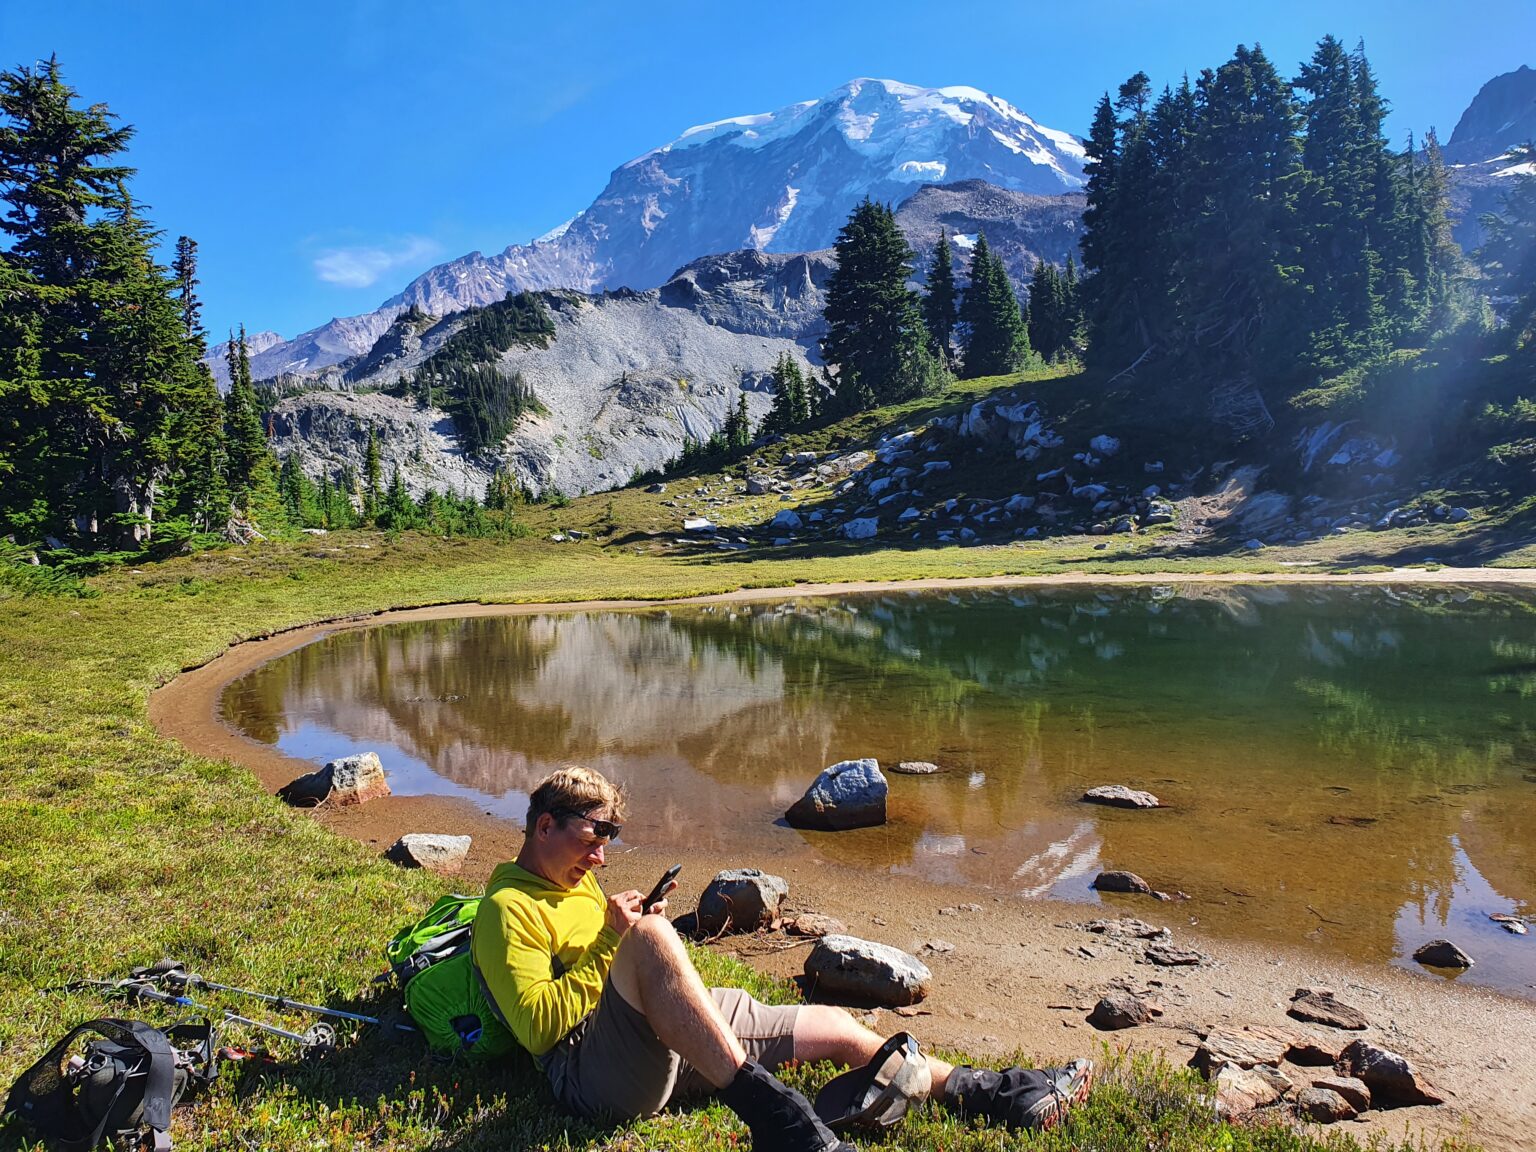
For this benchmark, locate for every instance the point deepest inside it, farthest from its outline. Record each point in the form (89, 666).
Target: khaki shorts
(613, 1066)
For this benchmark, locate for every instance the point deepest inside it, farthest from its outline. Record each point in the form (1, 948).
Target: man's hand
(623, 910)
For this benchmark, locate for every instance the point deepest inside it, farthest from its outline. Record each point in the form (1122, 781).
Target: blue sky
(324, 153)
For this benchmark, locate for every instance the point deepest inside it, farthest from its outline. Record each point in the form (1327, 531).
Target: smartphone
(661, 887)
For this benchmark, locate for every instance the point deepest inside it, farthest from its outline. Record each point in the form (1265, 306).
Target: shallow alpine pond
(1351, 769)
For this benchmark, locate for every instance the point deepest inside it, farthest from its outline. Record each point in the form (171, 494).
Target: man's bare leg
(826, 1033)
(653, 973)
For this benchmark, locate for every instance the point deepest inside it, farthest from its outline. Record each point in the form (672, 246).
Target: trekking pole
(175, 973)
(321, 1037)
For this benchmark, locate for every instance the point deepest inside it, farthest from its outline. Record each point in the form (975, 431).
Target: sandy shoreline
(1020, 975)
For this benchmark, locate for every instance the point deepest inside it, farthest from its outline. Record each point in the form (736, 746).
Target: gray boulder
(1120, 796)
(861, 529)
(758, 485)
(1442, 954)
(849, 794)
(786, 518)
(845, 967)
(431, 850)
(741, 900)
(349, 780)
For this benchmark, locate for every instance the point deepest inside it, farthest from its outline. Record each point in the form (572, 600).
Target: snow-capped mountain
(1502, 114)
(780, 181)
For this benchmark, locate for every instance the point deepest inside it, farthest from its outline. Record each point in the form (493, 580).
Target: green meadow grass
(118, 847)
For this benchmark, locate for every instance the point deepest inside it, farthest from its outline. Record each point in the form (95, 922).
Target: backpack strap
(159, 1081)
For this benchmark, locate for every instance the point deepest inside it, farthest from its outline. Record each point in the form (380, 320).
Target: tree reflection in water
(1328, 756)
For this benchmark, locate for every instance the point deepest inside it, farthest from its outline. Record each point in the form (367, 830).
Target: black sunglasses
(602, 829)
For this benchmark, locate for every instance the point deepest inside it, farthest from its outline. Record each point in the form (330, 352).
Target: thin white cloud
(364, 264)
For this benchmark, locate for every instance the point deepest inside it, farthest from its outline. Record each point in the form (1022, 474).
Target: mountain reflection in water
(1337, 764)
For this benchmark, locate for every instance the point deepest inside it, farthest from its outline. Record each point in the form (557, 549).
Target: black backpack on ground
(126, 1082)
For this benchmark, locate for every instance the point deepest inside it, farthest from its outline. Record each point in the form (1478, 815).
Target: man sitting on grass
(609, 1004)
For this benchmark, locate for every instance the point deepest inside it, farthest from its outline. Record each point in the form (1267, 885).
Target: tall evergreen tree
(791, 399)
(246, 453)
(95, 365)
(939, 302)
(1047, 307)
(738, 425)
(996, 341)
(373, 474)
(875, 334)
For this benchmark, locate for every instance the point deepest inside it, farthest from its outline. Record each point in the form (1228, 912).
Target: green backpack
(431, 962)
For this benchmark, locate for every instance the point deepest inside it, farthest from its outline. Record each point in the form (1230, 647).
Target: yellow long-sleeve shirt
(544, 952)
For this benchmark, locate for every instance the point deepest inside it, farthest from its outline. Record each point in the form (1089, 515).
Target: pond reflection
(1332, 761)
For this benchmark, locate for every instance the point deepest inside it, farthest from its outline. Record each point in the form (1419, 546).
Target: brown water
(1350, 769)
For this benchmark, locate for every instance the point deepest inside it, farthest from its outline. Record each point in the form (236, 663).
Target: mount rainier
(781, 181)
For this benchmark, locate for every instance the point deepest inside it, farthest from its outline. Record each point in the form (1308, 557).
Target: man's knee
(653, 937)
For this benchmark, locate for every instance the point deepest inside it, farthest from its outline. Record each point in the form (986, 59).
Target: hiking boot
(1034, 1098)
(779, 1118)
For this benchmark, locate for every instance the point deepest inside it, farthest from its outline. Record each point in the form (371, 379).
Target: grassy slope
(120, 847)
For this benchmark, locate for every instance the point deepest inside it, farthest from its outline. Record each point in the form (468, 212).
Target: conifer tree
(996, 341)
(97, 366)
(791, 400)
(939, 302)
(373, 474)
(875, 334)
(246, 452)
(398, 511)
(1046, 310)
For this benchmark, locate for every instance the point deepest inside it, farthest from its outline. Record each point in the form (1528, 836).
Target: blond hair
(575, 789)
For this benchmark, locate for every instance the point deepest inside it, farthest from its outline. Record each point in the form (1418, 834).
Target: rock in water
(430, 850)
(1442, 954)
(1121, 882)
(849, 968)
(1321, 1008)
(849, 794)
(741, 900)
(1119, 1010)
(350, 780)
(1390, 1077)
(1120, 796)
(916, 768)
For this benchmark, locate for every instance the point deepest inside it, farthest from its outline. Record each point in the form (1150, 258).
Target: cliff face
(626, 380)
